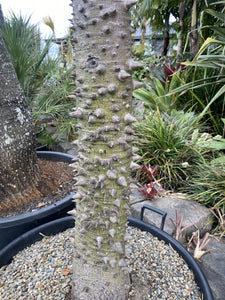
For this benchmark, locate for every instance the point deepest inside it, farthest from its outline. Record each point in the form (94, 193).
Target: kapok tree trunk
(18, 161)
(103, 93)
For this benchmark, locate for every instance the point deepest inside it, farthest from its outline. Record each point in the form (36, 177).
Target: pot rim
(59, 225)
(42, 212)
(179, 248)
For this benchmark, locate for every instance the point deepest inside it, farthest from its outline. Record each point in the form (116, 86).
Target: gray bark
(181, 24)
(103, 93)
(194, 36)
(18, 160)
(1, 17)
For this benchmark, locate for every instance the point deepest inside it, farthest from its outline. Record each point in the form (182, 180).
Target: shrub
(208, 185)
(173, 144)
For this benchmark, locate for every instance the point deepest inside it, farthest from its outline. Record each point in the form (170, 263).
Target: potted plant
(12, 227)
(53, 227)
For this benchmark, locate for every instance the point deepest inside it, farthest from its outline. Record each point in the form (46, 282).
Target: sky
(59, 10)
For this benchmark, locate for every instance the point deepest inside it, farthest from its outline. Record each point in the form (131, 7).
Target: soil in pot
(157, 271)
(56, 181)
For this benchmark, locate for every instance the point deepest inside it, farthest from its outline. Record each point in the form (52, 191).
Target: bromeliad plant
(157, 86)
(148, 174)
(179, 228)
(150, 190)
(163, 76)
(199, 245)
(220, 216)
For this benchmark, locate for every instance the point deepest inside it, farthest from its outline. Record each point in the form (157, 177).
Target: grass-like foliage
(171, 143)
(26, 50)
(208, 185)
(52, 104)
(52, 98)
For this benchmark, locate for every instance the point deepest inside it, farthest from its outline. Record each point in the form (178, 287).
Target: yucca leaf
(207, 42)
(218, 94)
(218, 2)
(216, 14)
(219, 30)
(193, 85)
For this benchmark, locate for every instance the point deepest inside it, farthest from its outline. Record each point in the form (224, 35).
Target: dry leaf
(41, 204)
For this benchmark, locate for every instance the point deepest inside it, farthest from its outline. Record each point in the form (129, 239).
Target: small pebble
(43, 271)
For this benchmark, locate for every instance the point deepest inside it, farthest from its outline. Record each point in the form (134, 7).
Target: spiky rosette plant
(103, 93)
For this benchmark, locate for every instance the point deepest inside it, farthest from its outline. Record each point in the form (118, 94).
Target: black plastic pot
(168, 239)
(30, 237)
(42, 148)
(7, 253)
(13, 227)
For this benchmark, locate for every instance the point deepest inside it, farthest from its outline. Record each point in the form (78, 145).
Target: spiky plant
(103, 93)
(208, 185)
(23, 42)
(172, 144)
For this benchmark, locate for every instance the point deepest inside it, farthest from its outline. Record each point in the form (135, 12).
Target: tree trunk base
(53, 174)
(97, 283)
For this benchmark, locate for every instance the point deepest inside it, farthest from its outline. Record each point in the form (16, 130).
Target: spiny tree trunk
(194, 43)
(103, 94)
(18, 161)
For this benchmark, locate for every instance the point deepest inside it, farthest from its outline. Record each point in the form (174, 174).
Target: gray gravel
(43, 271)
(162, 267)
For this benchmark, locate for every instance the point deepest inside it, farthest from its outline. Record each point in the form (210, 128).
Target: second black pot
(13, 227)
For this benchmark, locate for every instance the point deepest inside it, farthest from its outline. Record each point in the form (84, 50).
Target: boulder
(193, 212)
(213, 266)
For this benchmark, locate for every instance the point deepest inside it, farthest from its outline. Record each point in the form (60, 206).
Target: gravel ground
(43, 271)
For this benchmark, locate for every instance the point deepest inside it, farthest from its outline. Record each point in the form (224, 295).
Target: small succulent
(148, 171)
(179, 228)
(149, 191)
(199, 245)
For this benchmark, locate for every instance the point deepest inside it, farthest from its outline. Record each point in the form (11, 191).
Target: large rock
(213, 266)
(193, 212)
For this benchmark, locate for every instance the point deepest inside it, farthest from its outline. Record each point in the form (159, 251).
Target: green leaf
(219, 160)
(218, 15)
(192, 85)
(218, 94)
(218, 2)
(217, 143)
(208, 42)
(219, 30)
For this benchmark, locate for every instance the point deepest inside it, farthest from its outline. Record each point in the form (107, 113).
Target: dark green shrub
(172, 143)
